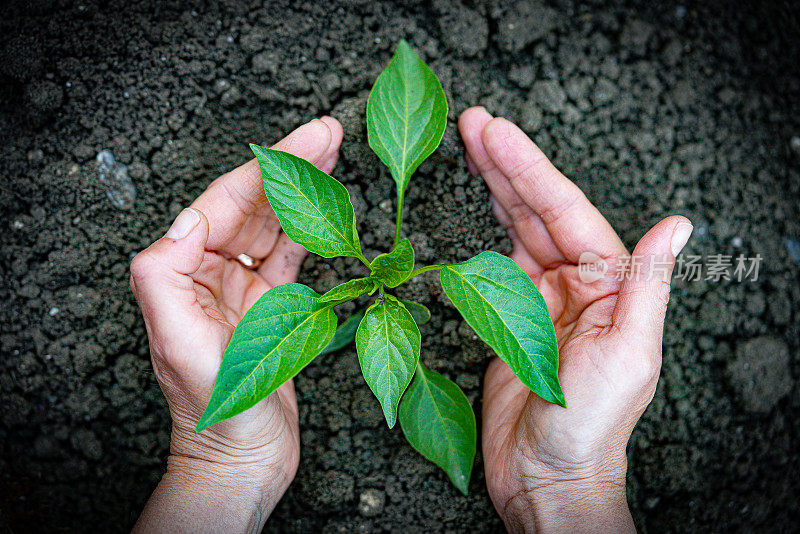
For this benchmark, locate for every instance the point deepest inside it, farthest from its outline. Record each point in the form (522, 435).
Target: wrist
(195, 495)
(590, 500)
(266, 469)
(211, 477)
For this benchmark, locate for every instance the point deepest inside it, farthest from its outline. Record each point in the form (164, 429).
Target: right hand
(550, 468)
(193, 292)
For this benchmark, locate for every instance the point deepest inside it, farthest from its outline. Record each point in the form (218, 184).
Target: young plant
(291, 324)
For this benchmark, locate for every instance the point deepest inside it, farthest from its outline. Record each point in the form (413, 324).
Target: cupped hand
(192, 291)
(547, 467)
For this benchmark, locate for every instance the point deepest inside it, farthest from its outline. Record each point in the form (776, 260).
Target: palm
(225, 290)
(532, 427)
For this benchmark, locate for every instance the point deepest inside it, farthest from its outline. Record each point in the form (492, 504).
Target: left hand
(193, 291)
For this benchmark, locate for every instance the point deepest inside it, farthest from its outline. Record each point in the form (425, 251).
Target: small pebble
(793, 248)
(737, 242)
(795, 144)
(121, 190)
(53, 311)
(35, 156)
(371, 502)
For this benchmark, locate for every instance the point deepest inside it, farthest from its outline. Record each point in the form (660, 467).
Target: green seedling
(291, 324)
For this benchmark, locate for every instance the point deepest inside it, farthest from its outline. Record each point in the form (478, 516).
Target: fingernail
(184, 223)
(679, 237)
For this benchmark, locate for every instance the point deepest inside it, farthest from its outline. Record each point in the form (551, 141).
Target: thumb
(644, 294)
(160, 275)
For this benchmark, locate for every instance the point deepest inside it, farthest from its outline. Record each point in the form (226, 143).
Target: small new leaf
(283, 331)
(438, 421)
(314, 209)
(501, 303)
(345, 334)
(406, 114)
(350, 290)
(419, 312)
(388, 343)
(394, 268)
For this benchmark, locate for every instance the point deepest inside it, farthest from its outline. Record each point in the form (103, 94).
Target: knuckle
(661, 293)
(142, 265)
(647, 370)
(642, 363)
(520, 213)
(557, 209)
(522, 170)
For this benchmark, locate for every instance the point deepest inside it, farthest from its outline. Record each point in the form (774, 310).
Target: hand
(193, 291)
(550, 468)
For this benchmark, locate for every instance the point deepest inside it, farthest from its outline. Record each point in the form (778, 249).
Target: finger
(519, 254)
(471, 124)
(642, 302)
(471, 167)
(283, 264)
(162, 282)
(574, 224)
(328, 161)
(252, 229)
(236, 196)
(533, 235)
(267, 235)
(235, 287)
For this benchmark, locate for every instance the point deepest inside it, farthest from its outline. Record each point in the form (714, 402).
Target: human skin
(551, 469)
(192, 292)
(548, 469)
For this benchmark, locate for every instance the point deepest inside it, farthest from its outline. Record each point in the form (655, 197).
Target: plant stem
(364, 261)
(425, 270)
(399, 221)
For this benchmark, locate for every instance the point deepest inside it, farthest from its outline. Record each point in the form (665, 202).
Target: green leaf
(394, 268)
(501, 303)
(438, 421)
(350, 290)
(388, 343)
(406, 115)
(419, 312)
(313, 208)
(345, 334)
(283, 331)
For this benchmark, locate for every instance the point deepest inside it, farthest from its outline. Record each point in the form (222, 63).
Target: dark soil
(652, 110)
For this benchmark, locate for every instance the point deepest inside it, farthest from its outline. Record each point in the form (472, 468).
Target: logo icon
(591, 267)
